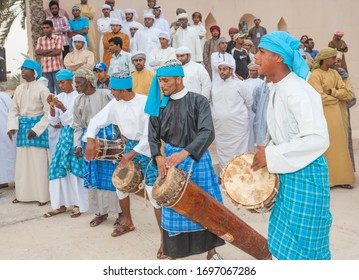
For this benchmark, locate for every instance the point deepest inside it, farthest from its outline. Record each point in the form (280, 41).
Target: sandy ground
(26, 235)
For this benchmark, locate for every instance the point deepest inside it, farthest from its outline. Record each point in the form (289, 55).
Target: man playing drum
(127, 111)
(300, 222)
(182, 120)
(97, 173)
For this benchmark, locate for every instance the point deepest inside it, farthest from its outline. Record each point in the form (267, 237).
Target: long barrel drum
(185, 197)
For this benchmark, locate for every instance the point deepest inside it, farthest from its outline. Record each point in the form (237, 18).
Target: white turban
(79, 38)
(182, 15)
(139, 54)
(105, 6)
(134, 24)
(131, 11)
(148, 15)
(252, 66)
(116, 21)
(183, 50)
(164, 35)
(227, 64)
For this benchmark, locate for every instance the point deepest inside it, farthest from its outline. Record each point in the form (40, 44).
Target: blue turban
(64, 75)
(33, 65)
(171, 68)
(287, 47)
(121, 83)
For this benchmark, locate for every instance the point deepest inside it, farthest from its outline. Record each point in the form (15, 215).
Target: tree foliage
(9, 11)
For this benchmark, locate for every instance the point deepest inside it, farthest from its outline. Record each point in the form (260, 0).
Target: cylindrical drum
(188, 199)
(255, 191)
(109, 149)
(129, 178)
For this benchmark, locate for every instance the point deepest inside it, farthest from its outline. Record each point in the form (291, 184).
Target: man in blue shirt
(309, 48)
(78, 25)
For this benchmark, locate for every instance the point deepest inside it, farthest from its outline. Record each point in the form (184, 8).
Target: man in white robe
(185, 35)
(66, 170)
(230, 104)
(300, 221)
(220, 56)
(160, 21)
(7, 147)
(252, 83)
(160, 55)
(104, 26)
(130, 14)
(196, 78)
(146, 39)
(28, 117)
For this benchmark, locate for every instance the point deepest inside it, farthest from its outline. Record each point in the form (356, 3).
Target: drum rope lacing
(186, 184)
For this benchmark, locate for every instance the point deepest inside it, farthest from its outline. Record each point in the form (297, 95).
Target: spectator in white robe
(230, 104)
(133, 27)
(184, 35)
(66, 170)
(130, 14)
(28, 117)
(160, 55)
(220, 56)
(115, 13)
(7, 147)
(196, 78)
(104, 26)
(201, 30)
(160, 21)
(150, 5)
(146, 39)
(252, 83)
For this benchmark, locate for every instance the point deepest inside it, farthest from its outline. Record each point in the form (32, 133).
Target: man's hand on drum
(126, 158)
(91, 149)
(259, 160)
(176, 158)
(161, 166)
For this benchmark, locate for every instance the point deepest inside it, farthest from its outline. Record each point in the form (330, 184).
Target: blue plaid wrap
(300, 222)
(149, 170)
(205, 177)
(98, 173)
(25, 124)
(64, 159)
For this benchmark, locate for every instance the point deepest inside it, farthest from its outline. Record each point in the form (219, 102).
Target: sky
(16, 43)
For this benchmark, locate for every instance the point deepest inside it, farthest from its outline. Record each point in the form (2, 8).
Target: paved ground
(26, 234)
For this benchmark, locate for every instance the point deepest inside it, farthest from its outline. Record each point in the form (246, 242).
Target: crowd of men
(167, 94)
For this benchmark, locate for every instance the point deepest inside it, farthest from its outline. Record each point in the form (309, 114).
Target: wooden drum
(255, 191)
(129, 178)
(109, 149)
(188, 199)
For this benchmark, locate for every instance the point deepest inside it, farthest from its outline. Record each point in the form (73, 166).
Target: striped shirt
(61, 28)
(50, 63)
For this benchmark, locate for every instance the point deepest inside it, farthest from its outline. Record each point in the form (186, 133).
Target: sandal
(348, 187)
(75, 212)
(55, 212)
(119, 221)
(122, 230)
(98, 220)
(41, 203)
(15, 201)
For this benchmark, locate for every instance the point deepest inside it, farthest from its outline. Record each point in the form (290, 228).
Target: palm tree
(9, 11)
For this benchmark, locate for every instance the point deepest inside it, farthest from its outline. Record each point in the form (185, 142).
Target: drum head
(165, 190)
(245, 187)
(122, 177)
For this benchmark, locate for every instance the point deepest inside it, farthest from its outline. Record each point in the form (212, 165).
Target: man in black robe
(182, 120)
